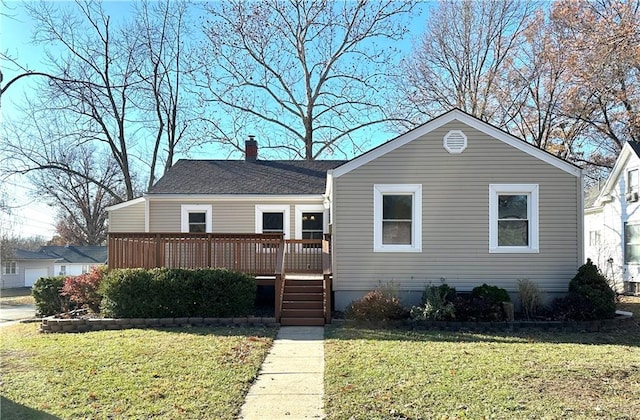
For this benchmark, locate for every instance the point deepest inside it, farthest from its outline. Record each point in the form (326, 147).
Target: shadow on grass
(10, 410)
(629, 335)
(222, 331)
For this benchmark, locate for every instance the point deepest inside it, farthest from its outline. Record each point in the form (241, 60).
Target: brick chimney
(251, 149)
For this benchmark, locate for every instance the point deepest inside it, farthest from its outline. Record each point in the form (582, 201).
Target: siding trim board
(314, 198)
(125, 204)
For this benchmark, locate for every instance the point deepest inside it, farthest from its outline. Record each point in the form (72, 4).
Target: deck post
(326, 277)
(327, 297)
(158, 250)
(280, 279)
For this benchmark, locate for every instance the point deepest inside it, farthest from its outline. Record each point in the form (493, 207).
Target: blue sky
(31, 217)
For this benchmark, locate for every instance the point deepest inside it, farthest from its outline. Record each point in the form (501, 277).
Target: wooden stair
(303, 301)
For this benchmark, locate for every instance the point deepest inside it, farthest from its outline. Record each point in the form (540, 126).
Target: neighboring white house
(25, 268)
(28, 266)
(612, 222)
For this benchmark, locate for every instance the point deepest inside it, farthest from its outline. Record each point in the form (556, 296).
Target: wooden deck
(268, 257)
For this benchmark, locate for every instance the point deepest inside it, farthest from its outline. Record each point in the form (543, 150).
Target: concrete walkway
(290, 384)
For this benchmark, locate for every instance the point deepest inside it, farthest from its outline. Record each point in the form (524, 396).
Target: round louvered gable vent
(455, 141)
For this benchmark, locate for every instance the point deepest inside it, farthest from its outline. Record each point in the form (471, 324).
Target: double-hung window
(10, 267)
(513, 218)
(272, 222)
(273, 218)
(310, 223)
(397, 213)
(632, 243)
(196, 218)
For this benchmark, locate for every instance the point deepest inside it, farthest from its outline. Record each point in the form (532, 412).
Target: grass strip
(174, 373)
(386, 374)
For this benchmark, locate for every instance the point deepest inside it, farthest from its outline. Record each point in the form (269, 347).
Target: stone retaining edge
(54, 325)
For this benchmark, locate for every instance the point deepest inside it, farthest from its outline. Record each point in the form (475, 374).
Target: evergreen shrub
(590, 296)
(165, 293)
(46, 293)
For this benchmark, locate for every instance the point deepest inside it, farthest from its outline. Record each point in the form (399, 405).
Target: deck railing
(266, 256)
(257, 254)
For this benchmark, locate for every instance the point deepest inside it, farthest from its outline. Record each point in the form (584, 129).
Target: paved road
(10, 314)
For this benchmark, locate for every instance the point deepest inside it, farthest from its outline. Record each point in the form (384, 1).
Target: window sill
(513, 250)
(397, 249)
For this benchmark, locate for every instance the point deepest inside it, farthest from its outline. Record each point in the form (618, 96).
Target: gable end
(472, 122)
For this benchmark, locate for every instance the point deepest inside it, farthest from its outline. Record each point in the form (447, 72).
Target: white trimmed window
(594, 238)
(513, 218)
(311, 221)
(632, 243)
(63, 270)
(196, 218)
(632, 180)
(273, 218)
(10, 267)
(397, 218)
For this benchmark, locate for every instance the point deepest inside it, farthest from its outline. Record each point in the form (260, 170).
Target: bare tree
(313, 72)
(99, 69)
(166, 61)
(463, 60)
(9, 243)
(81, 204)
(111, 83)
(601, 52)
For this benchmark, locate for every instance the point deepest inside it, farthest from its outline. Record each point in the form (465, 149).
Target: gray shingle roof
(77, 254)
(591, 195)
(22, 254)
(635, 146)
(279, 177)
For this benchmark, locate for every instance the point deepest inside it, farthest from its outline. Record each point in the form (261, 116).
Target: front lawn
(174, 373)
(398, 374)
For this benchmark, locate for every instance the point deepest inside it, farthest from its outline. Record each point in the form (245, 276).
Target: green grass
(174, 373)
(402, 374)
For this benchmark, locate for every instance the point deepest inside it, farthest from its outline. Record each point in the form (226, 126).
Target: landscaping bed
(73, 325)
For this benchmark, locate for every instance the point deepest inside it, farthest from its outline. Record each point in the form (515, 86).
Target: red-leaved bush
(84, 289)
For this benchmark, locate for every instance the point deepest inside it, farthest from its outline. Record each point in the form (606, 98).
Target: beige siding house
(455, 200)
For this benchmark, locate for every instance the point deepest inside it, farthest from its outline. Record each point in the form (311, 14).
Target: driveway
(12, 309)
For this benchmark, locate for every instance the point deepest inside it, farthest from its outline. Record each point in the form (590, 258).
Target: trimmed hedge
(162, 293)
(46, 293)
